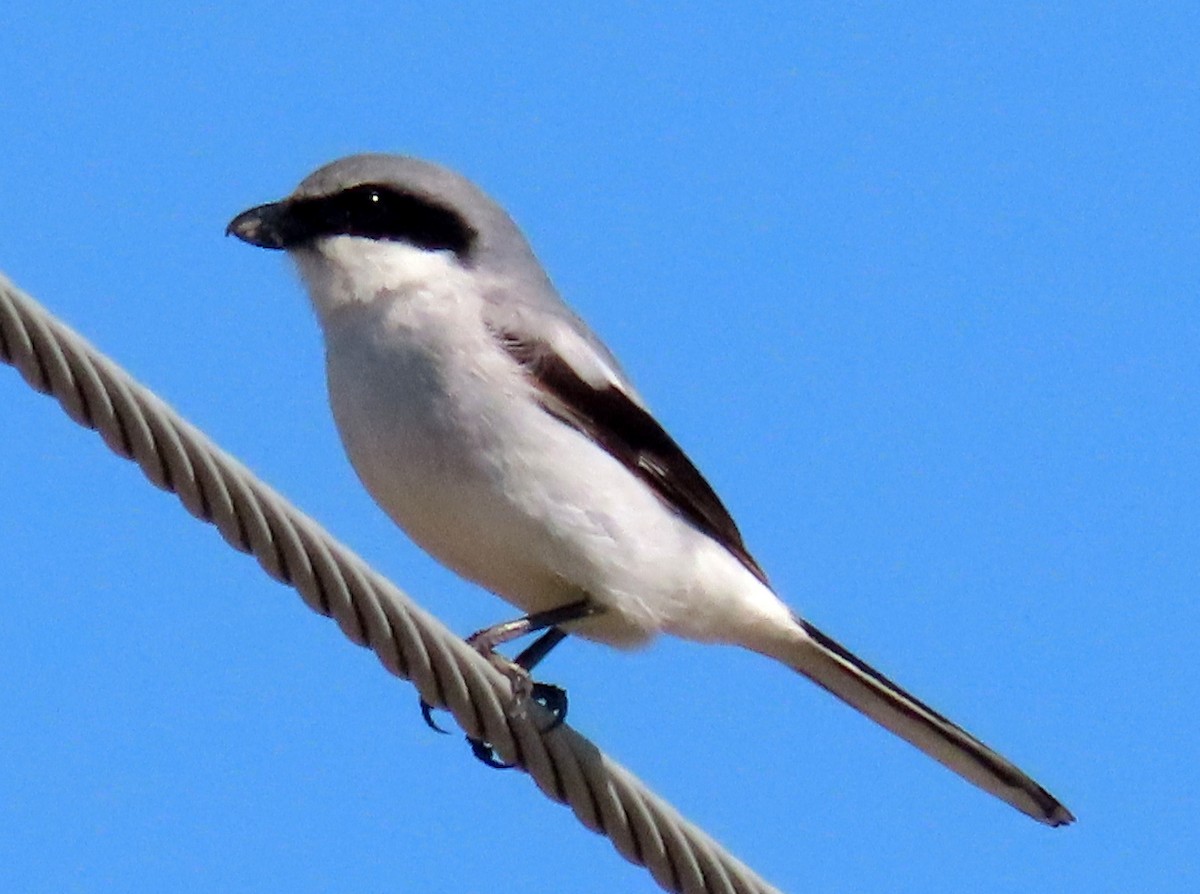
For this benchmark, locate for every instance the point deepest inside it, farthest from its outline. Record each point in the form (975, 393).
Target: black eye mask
(373, 211)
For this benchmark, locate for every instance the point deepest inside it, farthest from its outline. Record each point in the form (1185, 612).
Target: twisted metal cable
(332, 580)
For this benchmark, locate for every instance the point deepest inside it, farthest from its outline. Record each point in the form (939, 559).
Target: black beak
(267, 226)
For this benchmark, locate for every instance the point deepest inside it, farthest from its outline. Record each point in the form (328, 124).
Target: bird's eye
(386, 214)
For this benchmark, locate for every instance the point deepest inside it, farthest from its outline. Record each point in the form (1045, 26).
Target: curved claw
(427, 714)
(553, 699)
(485, 753)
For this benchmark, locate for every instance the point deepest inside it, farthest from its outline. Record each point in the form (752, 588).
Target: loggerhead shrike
(489, 422)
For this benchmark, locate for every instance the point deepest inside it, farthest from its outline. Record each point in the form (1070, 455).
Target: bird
(488, 421)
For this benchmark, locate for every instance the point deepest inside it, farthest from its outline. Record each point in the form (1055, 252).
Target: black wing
(608, 416)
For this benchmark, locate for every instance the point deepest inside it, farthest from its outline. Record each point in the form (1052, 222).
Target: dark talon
(550, 697)
(427, 713)
(485, 753)
(553, 699)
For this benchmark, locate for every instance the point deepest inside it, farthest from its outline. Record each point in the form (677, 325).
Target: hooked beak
(268, 226)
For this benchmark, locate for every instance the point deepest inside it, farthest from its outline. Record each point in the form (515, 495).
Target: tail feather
(835, 669)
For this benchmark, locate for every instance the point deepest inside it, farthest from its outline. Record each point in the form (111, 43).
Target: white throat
(341, 271)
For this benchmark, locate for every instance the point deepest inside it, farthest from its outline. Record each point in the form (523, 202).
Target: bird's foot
(524, 689)
(552, 698)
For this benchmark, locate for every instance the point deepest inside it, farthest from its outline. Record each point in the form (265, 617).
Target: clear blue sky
(916, 290)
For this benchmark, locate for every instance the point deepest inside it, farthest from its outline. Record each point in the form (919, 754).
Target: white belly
(463, 459)
(446, 434)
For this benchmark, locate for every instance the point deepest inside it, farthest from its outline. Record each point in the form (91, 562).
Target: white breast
(445, 432)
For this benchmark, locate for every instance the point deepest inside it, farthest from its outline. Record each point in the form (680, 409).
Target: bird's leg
(485, 641)
(551, 697)
(533, 654)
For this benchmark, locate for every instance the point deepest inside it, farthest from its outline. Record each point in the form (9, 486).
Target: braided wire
(372, 612)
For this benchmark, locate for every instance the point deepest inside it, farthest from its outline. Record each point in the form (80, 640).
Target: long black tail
(834, 668)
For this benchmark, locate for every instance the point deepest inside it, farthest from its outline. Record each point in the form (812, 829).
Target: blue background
(915, 288)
